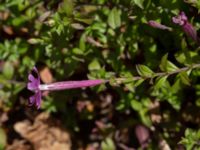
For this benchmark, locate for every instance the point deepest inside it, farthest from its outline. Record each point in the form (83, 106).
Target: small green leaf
(160, 82)
(60, 29)
(130, 86)
(180, 57)
(184, 78)
(8, 70)
(138, 82)
(166, 65)
(94, 65)
(77, 51)
(171, 67)
(121, 106)
(136, 105)
(18, 87)
(144, 71)
(82, 43)
(139, 3)
(191, 139)
(2, 139)
(176, 86)
(143, 113)
(114, 18)
(163, 64)
(108, 144)
(67, 7)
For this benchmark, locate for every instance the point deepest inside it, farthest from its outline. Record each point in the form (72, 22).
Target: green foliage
(110, 40)
(114, 19)
(166, 65)
(108, 144)
(8, 70)
(139, 3)
(2, 139)
(195, 3)
(160, 82)
(191, 139)
(144, 71)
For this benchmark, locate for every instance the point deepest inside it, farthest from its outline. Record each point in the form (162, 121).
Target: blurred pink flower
(182, 21)
(157, 25)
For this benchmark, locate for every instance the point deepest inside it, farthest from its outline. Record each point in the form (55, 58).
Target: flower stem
(159, 74)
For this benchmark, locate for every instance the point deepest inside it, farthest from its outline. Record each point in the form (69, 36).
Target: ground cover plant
(135, 64)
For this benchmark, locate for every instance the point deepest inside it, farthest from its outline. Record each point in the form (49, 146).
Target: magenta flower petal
(32, 100)
(35, 70)
(34, 80)
(190, 31)
(31, 77)
(181, 19)
(36, 99)
(33, 85)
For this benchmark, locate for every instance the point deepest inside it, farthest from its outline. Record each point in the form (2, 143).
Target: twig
(159, 74)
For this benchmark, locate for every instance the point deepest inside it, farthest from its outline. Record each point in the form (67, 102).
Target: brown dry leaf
(24, 30)
(1, 65)
(155, 112)
(45, 133)
(3, 117)
(143, 135)
(18, 145)
(46, 75)
(45, 16)
(155, 118)
(191, 113)
(92, 146)
(93, 42)
(163, 145)
(89, 106)
(4, 15)
(123, 29)
(80, 105)
(8, 30)
(77, 26)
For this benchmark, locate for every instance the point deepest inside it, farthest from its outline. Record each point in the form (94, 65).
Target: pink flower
(182, 21)
(35, 86)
